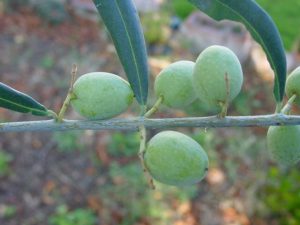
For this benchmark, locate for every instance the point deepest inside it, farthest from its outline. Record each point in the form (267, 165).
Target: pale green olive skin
(101, 95)
(174, 158)
(217, 68)
(174, 84)
(198, 108)
(293, 85)
(284, 144)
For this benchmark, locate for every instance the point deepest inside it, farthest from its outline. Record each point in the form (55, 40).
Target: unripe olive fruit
(284, 144)
(175, 159)
(174, 84)
(101, 95)
(197, 108)
(293, 85)
(217, 76)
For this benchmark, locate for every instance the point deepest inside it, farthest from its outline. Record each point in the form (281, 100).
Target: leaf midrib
(131, 49)
(22, 106)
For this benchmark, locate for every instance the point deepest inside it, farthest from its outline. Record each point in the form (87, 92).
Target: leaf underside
(20, 102)
(123, 23)
(261, 27)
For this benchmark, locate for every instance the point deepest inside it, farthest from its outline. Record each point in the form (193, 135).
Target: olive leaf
(20, 102)
(123, 24)
(261, 27)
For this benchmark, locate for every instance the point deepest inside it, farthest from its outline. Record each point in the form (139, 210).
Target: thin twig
(69, 95)
(143, 139)
(141, 153)
(134, 124)
(155, 107)
(288, 106)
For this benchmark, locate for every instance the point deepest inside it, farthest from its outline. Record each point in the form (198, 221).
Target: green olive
(101, 95)
(175, 159)
(284, 144)
(217, 76)
(174, 84)
(293, 85)
(198, 108)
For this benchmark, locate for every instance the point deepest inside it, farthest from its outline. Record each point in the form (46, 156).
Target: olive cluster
(215, 79)
(170, 157)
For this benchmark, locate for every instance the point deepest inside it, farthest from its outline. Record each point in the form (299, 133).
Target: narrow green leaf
(20, 102)
(123, 24)
(261, 27)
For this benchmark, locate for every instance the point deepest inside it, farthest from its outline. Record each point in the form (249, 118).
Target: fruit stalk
(142, 150)
(70, 95)
(143, 140)
(287, 108)
(154, 108)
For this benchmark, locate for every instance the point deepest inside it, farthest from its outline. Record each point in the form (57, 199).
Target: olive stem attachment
(142, 150)
(70, 95)
(65, 106)
(224, 108)
(154, 107)
(288, 106)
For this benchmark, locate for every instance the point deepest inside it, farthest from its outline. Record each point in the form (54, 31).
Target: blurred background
(94, 178)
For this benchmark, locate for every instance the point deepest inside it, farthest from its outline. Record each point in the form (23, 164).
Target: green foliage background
(287, 18)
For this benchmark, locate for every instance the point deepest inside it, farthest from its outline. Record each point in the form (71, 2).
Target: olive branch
(133, 124)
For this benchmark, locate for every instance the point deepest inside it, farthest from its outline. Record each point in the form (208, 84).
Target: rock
(199, 31)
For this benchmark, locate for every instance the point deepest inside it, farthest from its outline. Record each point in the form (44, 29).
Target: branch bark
(135, 123)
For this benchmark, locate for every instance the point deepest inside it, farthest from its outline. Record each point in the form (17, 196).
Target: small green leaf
(20, 102)
(123, 24)
(261, 27)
